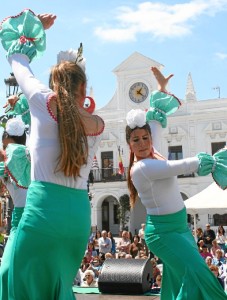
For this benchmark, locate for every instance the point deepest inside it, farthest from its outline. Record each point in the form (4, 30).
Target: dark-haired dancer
(154, 180)
(15, 169)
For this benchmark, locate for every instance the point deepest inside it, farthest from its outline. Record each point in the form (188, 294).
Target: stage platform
(113, 297)
(94, 294)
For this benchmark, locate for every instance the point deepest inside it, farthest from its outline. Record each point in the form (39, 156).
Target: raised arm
(161, 79)
(24, 44)
(162, 104)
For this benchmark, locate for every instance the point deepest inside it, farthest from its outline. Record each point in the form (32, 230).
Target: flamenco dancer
(15, 169)
(53, 232)
(154, 179)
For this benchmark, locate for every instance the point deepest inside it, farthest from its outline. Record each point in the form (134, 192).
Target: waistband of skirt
(173, 217)
(57, 188)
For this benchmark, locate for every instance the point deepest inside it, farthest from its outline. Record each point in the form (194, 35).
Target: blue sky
(184, 36)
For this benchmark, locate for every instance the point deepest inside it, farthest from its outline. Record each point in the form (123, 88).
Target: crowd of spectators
(102, 245)
(213, 248)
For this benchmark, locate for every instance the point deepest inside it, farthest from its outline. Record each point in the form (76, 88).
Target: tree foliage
(124, 209)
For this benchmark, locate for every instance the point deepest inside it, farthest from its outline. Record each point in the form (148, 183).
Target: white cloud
(221, 56)
(157, 19)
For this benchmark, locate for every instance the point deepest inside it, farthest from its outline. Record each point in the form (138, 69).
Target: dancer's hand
(12, 100)
(47, 20)
(161, 79)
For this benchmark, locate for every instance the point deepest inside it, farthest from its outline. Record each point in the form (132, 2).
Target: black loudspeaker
(125, 276)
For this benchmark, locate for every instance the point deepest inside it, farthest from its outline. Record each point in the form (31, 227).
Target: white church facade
(197, 126)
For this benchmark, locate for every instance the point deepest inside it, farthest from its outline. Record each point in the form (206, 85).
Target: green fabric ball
(18, 164)
(23, 34)
(161, 105)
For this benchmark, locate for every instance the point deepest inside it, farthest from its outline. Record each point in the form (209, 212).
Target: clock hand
(139, 92)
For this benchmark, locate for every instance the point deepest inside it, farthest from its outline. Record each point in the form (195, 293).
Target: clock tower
(135, 82)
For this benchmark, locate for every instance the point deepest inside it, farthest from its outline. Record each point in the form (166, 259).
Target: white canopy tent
(212, 200)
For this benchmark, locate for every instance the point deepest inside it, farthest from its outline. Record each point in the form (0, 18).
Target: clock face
(138, 92)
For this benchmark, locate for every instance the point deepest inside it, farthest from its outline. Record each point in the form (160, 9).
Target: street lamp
(120, 150)
(11, 85)
(219, 90)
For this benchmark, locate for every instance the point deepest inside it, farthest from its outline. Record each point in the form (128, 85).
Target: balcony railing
(111, 174)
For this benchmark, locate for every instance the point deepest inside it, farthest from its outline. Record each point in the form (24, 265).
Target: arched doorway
(109, 214)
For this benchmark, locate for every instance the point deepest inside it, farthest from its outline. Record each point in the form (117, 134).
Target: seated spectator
(208, 261)
(88, 256)
(109, 255)
(215, 271)
(91, 249)
(95, 266)
(219, 259)
(223, 273)
(84, 264)
(105, 244)
(135, 247)
(205, 252)
(200, 245)
(199, 235)
(130, 236)
(102, 258)
(208, 236)
(78, 279)
(221, 238)
(96, 241)
(156, 286)
(124, 243)
(214, 247)
(113, 249)
(155, 269)
(121, 255)
(128, 256)
(89, 279)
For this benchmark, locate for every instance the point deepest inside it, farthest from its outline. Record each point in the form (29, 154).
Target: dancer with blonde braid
(63, 140)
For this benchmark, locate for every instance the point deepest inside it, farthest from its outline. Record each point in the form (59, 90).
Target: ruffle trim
(99, 132)
(14, 179)
(16, 16)
(51, 97)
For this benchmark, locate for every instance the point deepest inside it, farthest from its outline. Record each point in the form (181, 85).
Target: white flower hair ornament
(136, 118)
(73, 55)
(15, 127)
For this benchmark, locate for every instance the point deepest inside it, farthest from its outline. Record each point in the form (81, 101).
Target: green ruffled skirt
(5, 261)
(50, 243)
(185, 273)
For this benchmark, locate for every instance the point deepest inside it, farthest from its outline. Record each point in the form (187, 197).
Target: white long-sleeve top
(156, 180)
(44, 141)
(17, 194)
